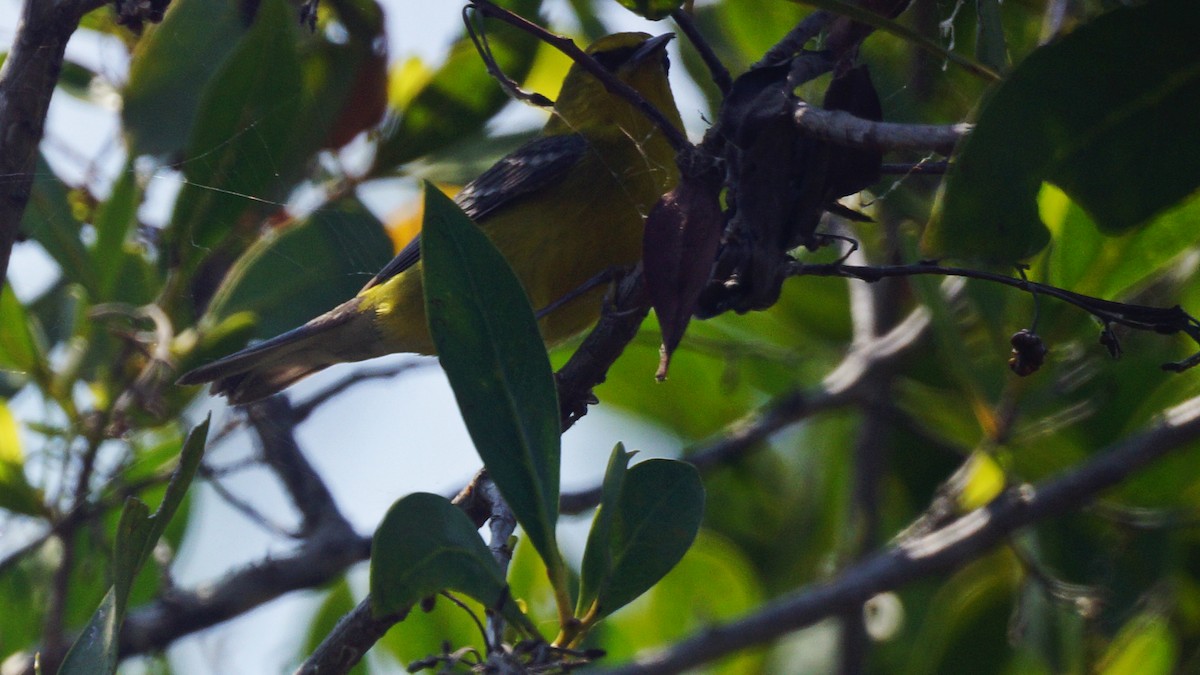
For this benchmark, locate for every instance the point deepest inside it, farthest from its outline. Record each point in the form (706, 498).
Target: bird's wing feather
(526, 170)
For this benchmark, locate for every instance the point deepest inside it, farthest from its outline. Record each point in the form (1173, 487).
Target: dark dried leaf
(680, 242)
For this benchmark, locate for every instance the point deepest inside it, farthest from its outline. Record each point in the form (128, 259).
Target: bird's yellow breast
(556, 240)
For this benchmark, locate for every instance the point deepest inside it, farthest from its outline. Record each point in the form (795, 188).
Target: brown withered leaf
(680, 242)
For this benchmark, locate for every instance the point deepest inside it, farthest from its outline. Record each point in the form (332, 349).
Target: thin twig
(1141, 317)
(720, 74)
(794, 41)
(243, 507)
(301, 411)
(567, 46)
(273, 420)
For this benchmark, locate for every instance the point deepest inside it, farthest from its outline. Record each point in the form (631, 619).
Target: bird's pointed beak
(652, 47)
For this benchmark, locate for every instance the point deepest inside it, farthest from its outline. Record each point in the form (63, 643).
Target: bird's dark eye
(613, 58)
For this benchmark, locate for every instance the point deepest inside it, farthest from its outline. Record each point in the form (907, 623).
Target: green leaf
(96, 649)
(18, 347)
(189, 462)
(490, 347)
(651, 9)
(241, 132)
(169, 70)
(16, 494)
(49, 221)
(657, 517)
(425, 545)
(597, 556)
(1085, 261)
(1119, 140)
(461, 95)
(287, 278)
(76, 79)
(115, 219)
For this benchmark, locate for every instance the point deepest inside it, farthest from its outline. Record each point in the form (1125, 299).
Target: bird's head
(637, 59)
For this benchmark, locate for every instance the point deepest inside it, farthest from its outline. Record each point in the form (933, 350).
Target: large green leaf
(288, 278)
(242, 128)
(425, 545)
(1116, 133)
(170, 67)
(461, 95)
(658, 514)
(492, 352)
(96, 649)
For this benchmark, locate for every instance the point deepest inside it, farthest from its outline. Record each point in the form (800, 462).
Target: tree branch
(27, 81)
(589, 365)
(945, 549)
(837, 126)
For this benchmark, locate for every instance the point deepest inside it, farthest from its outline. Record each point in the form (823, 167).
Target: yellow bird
(562, 209)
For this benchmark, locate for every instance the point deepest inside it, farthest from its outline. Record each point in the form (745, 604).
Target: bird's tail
(343, 334)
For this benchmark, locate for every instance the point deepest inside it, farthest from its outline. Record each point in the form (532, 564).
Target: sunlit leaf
(1086, 261)
(18, 347)
(983, 481)
(1069, 108)
(1145, 646)
(489, 345)
(16, 494)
